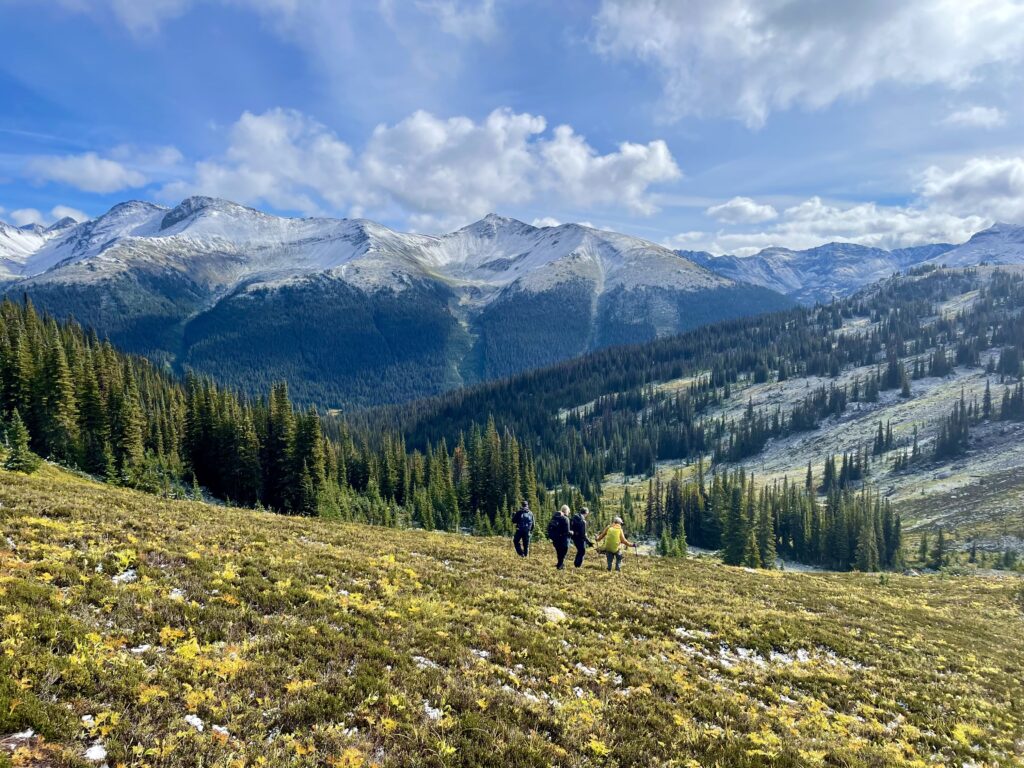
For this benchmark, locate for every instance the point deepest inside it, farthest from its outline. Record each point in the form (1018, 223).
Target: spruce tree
(59, 407)
(734, 535)
(127, 433)
(867, 547)
(280, 477)
(751, 552)
(94, 424)
(19, 458)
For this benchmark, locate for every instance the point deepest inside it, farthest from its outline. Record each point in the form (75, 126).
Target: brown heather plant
(128, 622)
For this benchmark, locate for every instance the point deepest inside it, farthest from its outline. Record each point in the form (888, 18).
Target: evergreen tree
(59, 408)
(765, 536)
(19, 458)
(939, 554)
(126, 433)
(735, 535)
(279, 477)
(751, 552)
(867, 547)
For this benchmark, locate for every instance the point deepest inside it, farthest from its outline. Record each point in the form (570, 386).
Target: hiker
(578, 531)
(558, 532)
(523, 521)
(614, 539)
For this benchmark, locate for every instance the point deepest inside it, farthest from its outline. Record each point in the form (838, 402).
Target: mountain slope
(776, 393)
(999, 244)
(352, 312)
(819, 274)
(19, 244)
(181, 633)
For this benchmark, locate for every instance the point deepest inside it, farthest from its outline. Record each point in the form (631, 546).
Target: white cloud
(976, 117)
(814, 222)
(747, 58)
(455, 166)
(23, 216)
(281, 158)
(577, 172)
(687, 241)
(439, 171)
(546, 221)
(65, 211)
(990, 186)
(951, 204)
(742, 210)
(88, 172)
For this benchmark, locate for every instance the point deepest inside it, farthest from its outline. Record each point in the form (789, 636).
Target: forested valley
(466, 460)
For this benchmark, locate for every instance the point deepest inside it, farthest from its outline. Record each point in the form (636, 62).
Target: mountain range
(350, 312)
(836, 270)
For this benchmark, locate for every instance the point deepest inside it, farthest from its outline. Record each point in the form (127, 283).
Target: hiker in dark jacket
(558, 532)
(523, 522)
(578, 531)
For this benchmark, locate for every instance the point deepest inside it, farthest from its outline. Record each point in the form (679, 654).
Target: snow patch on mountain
(999, 244)
(821, 273)
(222, 245)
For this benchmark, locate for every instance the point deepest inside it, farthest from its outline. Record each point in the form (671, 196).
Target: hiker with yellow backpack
(614, 539)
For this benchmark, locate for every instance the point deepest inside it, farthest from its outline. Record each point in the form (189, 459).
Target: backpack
(555, 527)
(576, 526)
(612, 539)
(525, 522)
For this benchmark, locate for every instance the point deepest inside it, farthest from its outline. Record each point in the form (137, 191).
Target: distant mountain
(18, 244)
(351, 312)
(999, 244)
(834, 270)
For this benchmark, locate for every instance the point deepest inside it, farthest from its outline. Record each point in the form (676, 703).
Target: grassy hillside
(180, 634)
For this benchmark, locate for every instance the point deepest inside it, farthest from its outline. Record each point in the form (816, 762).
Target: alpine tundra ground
(139, 632)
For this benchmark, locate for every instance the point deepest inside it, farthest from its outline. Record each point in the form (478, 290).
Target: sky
(720, 125)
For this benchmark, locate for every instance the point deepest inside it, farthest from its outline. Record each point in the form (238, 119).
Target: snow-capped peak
(61, 224)
(1002, 243)
(198, 205)
(820, 273)
(222, 244)
(492, 225)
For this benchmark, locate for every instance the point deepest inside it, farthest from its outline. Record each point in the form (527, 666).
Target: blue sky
(727, 125)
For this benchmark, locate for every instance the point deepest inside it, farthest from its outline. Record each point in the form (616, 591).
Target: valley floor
(149, 633)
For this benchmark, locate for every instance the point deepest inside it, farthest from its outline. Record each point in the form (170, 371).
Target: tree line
(69, 397)
(753, 524)
(610, 411)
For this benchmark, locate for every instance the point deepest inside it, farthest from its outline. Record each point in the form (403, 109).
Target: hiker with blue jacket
(558, 532)
(578, 531)
(523, 522)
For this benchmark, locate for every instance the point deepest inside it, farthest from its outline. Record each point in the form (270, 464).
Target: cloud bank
(438, 171)
(748, 58)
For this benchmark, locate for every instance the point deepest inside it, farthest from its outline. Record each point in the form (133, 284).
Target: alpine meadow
(471, 383)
